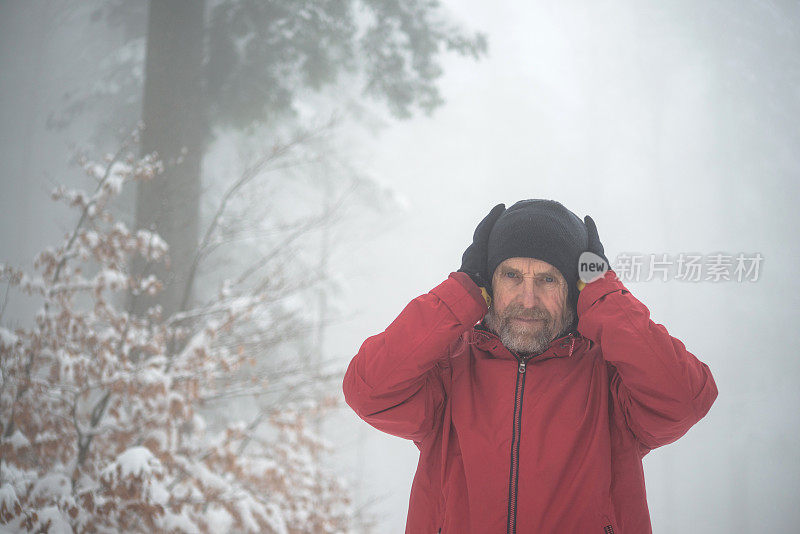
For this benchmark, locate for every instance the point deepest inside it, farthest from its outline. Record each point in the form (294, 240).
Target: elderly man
(532, 395)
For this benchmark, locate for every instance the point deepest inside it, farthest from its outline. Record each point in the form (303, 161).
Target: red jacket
(552, 445)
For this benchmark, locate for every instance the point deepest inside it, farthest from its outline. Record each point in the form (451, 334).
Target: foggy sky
(675, 127)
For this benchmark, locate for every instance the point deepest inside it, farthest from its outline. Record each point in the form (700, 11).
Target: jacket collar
(561, 347)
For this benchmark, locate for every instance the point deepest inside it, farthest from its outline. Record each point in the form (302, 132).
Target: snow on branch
(104, 426)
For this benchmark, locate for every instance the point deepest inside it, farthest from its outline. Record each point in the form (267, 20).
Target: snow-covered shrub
(105, 416)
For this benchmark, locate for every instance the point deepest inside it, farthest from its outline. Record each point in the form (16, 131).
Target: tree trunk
(175, 125)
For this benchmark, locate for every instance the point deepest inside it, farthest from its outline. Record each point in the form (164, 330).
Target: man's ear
(486, 296)
(490, 285)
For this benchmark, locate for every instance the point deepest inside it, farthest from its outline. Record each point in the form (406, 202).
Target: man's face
(529, 305)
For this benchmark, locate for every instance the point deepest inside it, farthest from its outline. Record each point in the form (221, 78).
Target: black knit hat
(544, 230)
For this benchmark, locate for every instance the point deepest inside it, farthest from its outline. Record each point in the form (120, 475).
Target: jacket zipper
(608, 529)
(513, 478)
(515, 438)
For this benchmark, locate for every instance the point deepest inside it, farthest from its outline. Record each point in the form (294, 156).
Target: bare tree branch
(252, 172)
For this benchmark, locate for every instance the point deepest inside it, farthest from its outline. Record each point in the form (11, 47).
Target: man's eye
(511, 275)
(549, 279)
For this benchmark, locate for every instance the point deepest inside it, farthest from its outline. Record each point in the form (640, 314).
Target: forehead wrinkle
(537, 267)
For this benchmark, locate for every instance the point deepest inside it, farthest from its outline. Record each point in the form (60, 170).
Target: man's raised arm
(393, 382)
(661, 388)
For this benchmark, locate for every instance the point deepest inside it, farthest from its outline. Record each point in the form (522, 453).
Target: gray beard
(523, 339)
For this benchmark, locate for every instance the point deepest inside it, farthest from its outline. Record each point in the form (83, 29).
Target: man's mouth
(527, 319)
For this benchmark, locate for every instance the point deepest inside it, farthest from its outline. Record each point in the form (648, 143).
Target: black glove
(474, 260)
(595, 246)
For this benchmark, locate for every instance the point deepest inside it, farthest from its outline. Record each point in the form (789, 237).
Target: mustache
(518, 312)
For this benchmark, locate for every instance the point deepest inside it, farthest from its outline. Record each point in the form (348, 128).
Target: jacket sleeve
(393, 382)
(661, 388)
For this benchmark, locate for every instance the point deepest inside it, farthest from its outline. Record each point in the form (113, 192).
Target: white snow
(95, 169)
(7, 338)
(45, 436)
(90, 238)
(8, 497)
(153, 240)
(113, 278)
(32, 283)
(248, 509)
(116, 176)
(135, 461)
(170, 522)
(160, 494)
(18, 440)
(59, 523)
(219, 520)
(52, 487)
(122, 228)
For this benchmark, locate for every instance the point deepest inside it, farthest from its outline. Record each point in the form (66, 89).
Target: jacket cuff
(598, 289)
(464, 299)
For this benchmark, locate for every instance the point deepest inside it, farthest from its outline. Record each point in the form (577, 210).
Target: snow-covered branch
(107, 426)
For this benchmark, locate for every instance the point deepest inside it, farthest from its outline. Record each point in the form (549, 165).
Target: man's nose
(530, 295)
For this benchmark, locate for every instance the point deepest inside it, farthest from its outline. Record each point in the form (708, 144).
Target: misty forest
(207, 205)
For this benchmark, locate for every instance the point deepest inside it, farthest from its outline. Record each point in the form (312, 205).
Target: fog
(675, 126)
